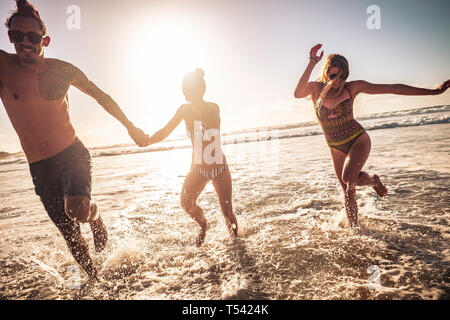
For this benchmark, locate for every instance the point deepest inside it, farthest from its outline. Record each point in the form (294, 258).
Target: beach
(294, 240)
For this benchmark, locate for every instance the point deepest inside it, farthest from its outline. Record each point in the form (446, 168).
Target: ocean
(294, 242)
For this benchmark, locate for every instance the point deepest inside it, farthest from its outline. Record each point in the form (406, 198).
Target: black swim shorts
(69, 173)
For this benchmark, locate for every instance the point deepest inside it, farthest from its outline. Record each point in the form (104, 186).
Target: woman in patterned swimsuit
(202, 121)
(348, 141)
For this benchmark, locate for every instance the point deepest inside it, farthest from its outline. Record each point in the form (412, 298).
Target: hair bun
(200, 72)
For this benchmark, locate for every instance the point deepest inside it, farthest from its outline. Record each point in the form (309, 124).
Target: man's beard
(30, 57)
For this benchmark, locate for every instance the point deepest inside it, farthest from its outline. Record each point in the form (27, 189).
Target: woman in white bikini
(202, 121)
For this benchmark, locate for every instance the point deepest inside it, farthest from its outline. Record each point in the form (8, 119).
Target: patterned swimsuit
(339, 127)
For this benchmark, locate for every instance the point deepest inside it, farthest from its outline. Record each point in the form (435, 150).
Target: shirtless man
(34, 92)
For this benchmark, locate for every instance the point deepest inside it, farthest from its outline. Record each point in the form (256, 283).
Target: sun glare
(164, 53)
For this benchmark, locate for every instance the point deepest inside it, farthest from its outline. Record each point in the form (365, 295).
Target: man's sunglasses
(19, 36)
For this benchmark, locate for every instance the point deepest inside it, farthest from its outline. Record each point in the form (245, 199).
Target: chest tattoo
(55, 82)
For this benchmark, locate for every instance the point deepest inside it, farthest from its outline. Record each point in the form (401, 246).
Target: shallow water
(294, 240)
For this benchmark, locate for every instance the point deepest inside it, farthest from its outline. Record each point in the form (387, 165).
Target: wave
(13, 160)
(370, 125)
(376, 116)
(386, 120)
(4, 155)
(276, 134)
(411, 112)
(414, 122)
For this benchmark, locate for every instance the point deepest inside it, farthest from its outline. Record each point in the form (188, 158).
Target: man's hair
(26, 10)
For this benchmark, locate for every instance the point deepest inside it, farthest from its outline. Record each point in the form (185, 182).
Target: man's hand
(139, 136)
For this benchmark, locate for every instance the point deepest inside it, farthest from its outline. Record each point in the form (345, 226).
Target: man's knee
(78, 208)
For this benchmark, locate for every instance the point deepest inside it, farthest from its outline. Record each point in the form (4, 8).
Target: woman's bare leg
(192, 187)
(223, 186)
(364, 179)
(357, 157)
(353, 163)
(338, 162)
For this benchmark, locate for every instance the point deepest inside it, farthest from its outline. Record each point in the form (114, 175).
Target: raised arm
(81, 82)
(400, 89)
(168, 129)
(304, 87)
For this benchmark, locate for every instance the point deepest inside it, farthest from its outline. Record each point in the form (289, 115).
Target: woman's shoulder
(212, 105)
(355, 86)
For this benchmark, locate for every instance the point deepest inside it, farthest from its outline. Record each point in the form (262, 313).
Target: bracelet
(313, 59)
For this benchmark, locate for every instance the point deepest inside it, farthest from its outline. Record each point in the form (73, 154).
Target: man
(34, 92)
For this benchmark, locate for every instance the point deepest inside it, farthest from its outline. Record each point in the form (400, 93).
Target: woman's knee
(349, 178)
(186, 202)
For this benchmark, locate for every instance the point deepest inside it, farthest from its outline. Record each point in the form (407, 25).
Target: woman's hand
(443, 87)
(139, 136)
(313, 53)
(304, 88)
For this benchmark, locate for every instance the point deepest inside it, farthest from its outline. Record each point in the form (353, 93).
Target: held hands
(313, 53)
(139, 136)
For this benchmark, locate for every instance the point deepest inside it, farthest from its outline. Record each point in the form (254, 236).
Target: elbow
(299, 95)
(105, 101)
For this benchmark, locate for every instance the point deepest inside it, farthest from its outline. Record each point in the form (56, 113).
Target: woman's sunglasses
(332, 76)
(19, 36)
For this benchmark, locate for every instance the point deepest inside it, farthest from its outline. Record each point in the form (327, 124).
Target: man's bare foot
(201, 236)
(88, 285)
(98, 230)
(379, 188)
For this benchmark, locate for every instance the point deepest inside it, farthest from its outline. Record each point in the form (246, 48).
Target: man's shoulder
(62, 68)
(52, 62)
(4, 56)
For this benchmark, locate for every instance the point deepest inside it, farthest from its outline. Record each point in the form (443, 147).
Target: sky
(253, 53)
